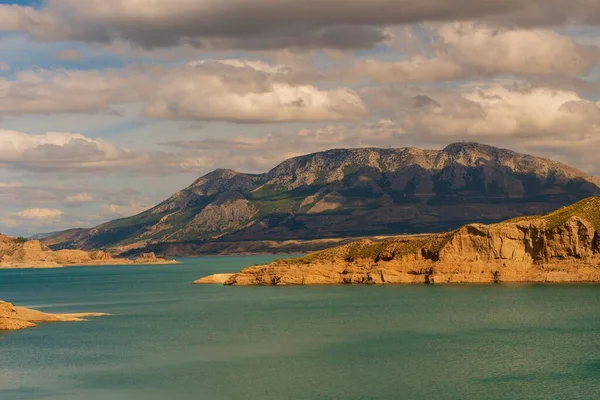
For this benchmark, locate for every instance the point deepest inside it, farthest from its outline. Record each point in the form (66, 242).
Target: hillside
(562, 246)
(24, 253)
(345, 193)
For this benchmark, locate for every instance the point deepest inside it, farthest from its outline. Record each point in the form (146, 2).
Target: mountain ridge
(345, 193)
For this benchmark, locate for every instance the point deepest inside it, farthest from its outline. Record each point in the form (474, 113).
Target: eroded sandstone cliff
(563, 246)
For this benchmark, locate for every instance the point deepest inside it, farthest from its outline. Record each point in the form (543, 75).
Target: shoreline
(226, 279)
(105, 264)
(14, 318)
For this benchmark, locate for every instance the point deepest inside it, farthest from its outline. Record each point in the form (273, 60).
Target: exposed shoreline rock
(214, 279)
(14, 318)
(22, 253)
(561, 247)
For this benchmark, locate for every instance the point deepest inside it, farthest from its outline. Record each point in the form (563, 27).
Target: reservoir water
(168, 339)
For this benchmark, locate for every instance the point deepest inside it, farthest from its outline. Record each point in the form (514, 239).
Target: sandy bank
(15, 318)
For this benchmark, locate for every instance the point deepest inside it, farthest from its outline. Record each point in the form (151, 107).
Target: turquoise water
(168, 339)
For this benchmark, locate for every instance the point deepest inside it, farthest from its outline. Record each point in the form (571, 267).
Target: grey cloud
(273, 24)
(422, 100)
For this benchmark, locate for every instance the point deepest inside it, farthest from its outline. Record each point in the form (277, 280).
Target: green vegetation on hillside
(587, 209)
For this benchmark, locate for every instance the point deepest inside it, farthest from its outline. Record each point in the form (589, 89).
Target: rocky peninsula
(23, 253)
(14, 318)
(560, 247)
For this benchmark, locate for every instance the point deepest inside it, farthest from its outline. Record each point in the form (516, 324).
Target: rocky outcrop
(348, 193)
(22, 253)
(563, 246)
(524, 241)
(15, 318)
(151, 258)
(214, 279)
(332, 201)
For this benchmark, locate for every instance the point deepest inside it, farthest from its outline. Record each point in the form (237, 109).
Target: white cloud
(232, 90)
(504, 112)
(61, 91)
(79, 198)
(191, 96)
(247, 91)
(472, 49)
(63, 151)
(10, 185)
(40, 213)
(122, 210)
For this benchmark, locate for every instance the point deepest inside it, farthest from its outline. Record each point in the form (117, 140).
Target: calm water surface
(168, 339)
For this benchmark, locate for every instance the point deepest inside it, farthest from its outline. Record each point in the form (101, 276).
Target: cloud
(69, 91)
(122, 210)
(40, 213)
(247, 92)
(259, 153)
(503, 111)
(10, 185)
(79, 198)
(472, 49)
(75, 155)
(230, 90)
(66, 152)
(69, 55)
(271, 24)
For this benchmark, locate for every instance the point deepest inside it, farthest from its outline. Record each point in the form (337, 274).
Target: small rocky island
(24, 253)
(560, 247)
(13, 318)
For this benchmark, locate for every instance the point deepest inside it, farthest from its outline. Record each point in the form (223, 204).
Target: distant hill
(346, 193)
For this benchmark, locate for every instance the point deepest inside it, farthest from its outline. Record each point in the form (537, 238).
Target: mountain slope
(563, 246)
(349, 192)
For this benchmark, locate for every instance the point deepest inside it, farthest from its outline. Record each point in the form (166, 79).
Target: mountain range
(342, 194)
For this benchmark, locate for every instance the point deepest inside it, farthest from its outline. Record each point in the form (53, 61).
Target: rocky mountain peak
(345, 192)
(221, 180)
(473, 154)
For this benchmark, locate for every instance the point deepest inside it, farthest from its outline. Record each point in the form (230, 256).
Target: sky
(108, 107)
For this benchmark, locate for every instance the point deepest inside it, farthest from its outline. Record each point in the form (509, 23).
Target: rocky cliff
(562, 246)
(23, 253)
(14, 318)
(346, 193)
